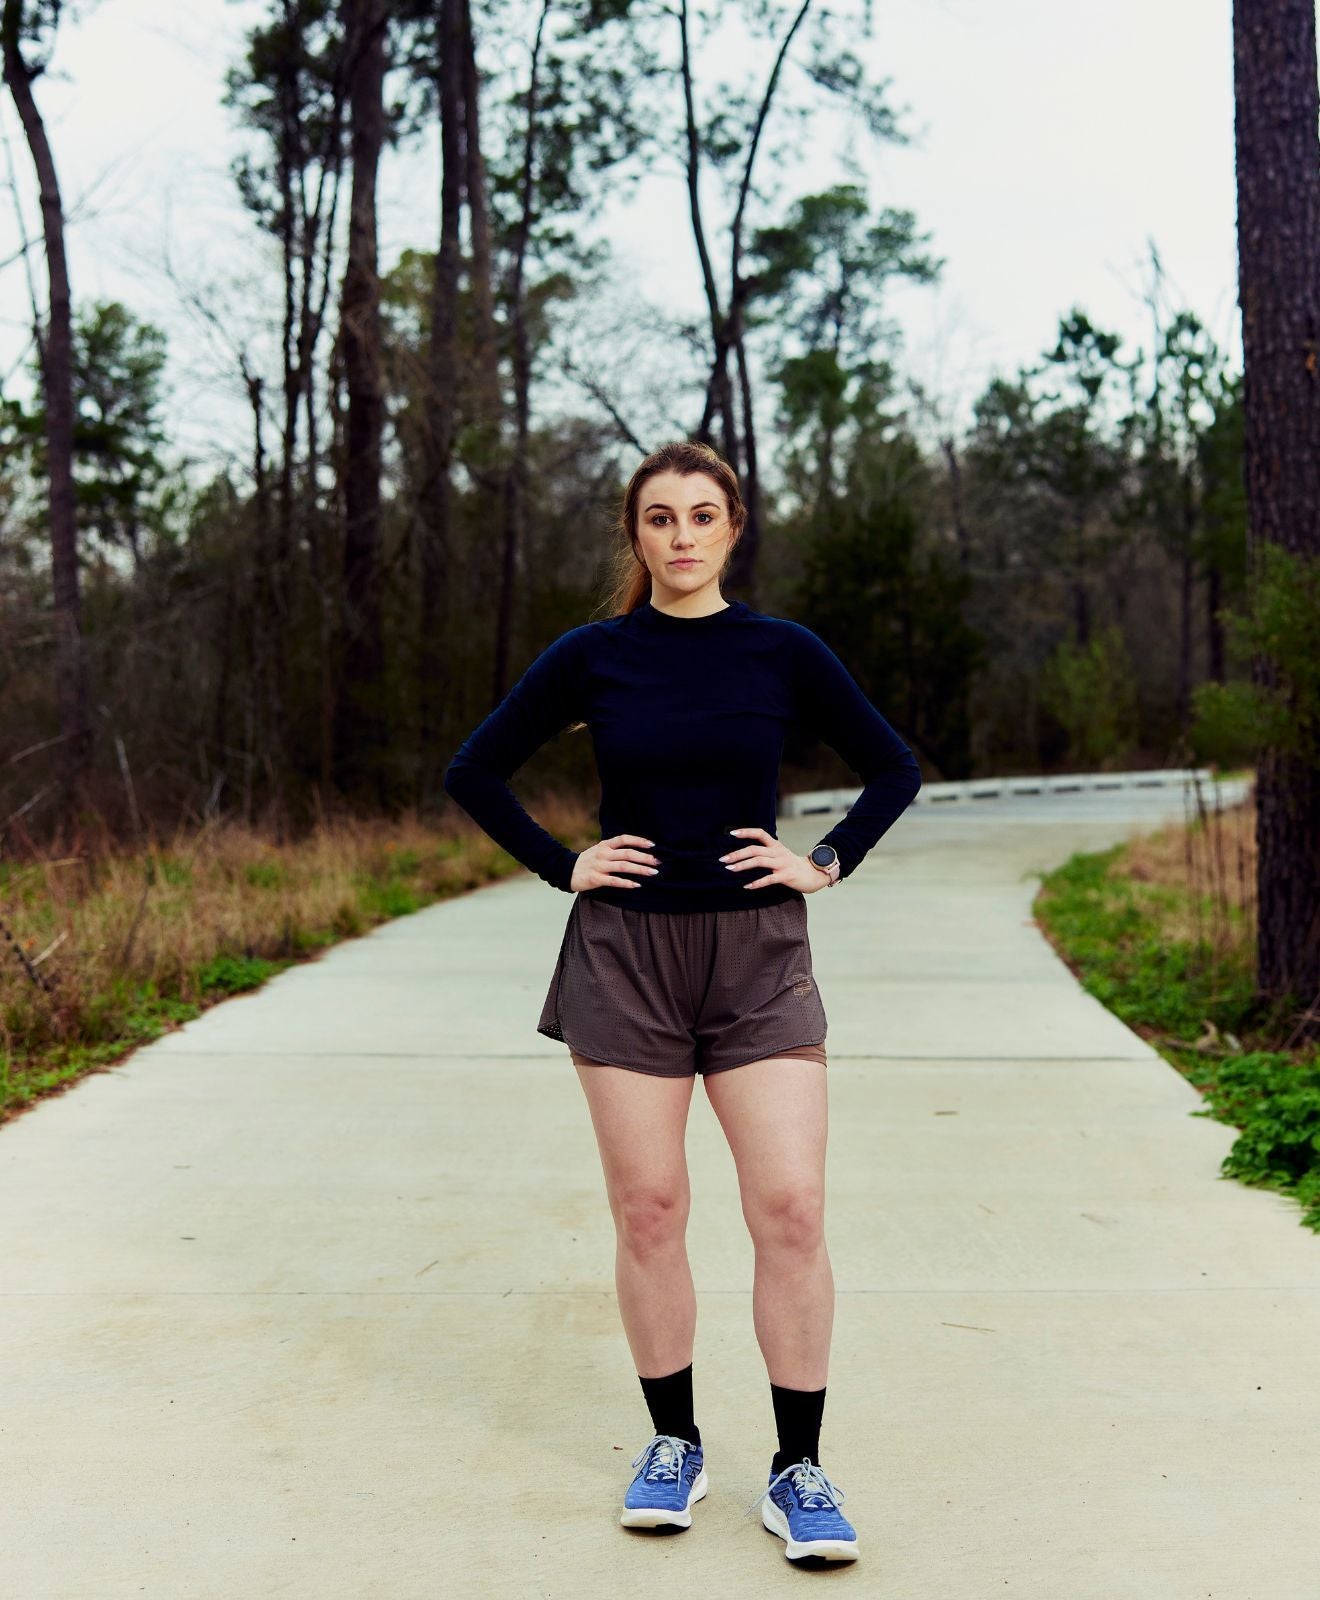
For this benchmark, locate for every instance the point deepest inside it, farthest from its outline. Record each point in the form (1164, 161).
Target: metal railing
(811, 801)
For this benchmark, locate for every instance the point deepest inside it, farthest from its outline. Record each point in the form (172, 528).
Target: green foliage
(126, 493)
(817, 282)
(1281, 622)
(1275, 1101)
(1114, 934)
(892, 607)
(263, 874)
(231, 974)
(1091, 691)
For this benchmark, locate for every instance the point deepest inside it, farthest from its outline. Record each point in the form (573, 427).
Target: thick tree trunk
(1278, 173)
(359, 736)
(57, 382)
(1186, 596)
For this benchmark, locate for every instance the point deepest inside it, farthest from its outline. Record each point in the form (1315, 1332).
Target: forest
(1087, 577)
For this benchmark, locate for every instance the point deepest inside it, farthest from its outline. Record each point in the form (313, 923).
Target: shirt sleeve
(831, 705)
(547, 697)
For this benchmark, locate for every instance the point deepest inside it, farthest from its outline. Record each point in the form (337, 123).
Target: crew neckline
(664, 619)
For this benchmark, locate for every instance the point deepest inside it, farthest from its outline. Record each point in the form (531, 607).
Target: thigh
(640, 1120)
(775, 1116)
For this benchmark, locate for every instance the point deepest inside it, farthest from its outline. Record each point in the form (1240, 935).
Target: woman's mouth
(685, 561)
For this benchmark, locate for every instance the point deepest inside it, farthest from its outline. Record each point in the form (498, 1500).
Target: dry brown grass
(102, 951)
(1210, 861)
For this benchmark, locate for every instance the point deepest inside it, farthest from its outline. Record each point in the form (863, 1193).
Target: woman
(686, 952)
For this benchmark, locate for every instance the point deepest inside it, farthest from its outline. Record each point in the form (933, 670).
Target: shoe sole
(659, 1517)
(795, 1549)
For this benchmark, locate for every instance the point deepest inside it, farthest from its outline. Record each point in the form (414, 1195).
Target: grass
(101, 953)
(1162, 930)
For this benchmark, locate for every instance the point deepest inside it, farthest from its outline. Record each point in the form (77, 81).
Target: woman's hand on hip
(785, 867)
(625, 852)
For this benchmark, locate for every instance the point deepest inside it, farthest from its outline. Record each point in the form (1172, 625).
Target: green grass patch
(1197, 1005)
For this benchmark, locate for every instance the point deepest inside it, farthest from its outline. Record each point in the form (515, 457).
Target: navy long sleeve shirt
(687, 717)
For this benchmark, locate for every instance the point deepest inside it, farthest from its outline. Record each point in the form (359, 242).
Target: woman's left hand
(785, 867)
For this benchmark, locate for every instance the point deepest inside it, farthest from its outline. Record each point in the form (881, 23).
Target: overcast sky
(1051, 143)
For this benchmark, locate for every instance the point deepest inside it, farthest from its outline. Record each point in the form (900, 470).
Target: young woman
(686, 952)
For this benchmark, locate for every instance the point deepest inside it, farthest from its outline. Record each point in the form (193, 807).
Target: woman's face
(682, 517)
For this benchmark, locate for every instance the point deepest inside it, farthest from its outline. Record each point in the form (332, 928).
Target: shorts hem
(763, 1055)
(660, 1072)
(627, 1066)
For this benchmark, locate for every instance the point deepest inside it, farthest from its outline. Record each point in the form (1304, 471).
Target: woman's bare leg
(640, 1121)
(773, 1113)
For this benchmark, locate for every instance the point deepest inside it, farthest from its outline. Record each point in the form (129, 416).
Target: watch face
(823, 855)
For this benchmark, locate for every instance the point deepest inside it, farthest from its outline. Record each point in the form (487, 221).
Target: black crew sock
(669, 1400)
(797, 1419)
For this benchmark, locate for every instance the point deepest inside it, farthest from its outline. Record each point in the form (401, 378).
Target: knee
(650, 1219)
(790, 1218)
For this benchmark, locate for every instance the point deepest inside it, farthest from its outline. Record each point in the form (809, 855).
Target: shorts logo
(801, 983)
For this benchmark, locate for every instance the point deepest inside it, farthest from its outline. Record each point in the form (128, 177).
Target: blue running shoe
(671, 1474)
(801, 1505)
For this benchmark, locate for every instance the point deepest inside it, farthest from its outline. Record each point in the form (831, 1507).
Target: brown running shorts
(679, 992)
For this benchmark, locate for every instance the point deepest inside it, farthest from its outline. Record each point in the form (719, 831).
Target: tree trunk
(1186, 596)
(516, 471)
(728, 329)
(745, 565)
(1278, 175)
(435, 508)
(956, 512)
(359, 736)
(57, 382)
(483, 457)
(1214, 599)
(719, 392)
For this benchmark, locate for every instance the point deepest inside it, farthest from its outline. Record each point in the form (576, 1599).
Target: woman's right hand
(625, 852)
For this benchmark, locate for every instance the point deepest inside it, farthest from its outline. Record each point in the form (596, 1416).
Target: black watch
(826, 858)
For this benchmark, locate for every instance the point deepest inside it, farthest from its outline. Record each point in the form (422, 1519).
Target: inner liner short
(681, 992)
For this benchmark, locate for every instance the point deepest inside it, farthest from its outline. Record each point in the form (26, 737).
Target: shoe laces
(666, 1451)
(814, 1490)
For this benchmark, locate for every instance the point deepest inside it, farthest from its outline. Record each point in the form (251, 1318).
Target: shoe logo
(801, 983)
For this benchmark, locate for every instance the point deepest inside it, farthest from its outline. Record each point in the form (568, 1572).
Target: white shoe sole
(795, 1549)
(658, 1517)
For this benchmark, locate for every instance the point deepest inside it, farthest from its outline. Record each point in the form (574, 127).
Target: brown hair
(629, 581)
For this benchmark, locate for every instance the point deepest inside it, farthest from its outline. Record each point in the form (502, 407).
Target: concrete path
(314, 1298)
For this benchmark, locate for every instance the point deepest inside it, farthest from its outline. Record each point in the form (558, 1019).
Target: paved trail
(314, 1298)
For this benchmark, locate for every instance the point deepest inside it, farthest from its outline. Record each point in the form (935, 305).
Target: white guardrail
(816, 800)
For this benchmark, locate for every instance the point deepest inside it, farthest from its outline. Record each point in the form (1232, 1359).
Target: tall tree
(289, 90)
(1278, 226)
(815, 285)
(435, 498)
(360, 727)
(729, 132)
(33, 22)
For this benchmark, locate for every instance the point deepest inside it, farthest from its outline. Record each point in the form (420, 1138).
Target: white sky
(1051, 143)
